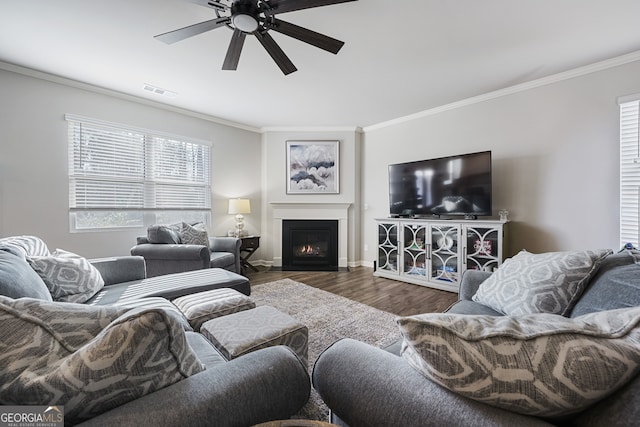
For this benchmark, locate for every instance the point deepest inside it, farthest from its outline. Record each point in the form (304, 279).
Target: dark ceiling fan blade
(192, 30)
(282, 6)
(303, 34)
(217, 5)
(278, 55)
(234, 50)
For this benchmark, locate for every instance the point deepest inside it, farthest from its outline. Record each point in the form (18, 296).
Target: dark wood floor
(359, 284)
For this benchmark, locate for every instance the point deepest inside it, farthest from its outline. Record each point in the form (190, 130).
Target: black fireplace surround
(309, 245)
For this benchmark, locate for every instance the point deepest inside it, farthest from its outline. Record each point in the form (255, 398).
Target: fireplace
(309, 245)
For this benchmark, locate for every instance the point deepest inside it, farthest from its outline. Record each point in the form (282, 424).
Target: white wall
(555, 157)
(275, 180)
(34, 172)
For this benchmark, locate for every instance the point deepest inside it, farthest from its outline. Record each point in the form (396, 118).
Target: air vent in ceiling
(159, 91)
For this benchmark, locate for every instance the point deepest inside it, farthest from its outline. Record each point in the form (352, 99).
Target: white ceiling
(400, 57)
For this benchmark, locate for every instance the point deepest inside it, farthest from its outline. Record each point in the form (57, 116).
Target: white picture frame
(313, 167)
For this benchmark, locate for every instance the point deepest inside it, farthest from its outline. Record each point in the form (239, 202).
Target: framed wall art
(312, 167)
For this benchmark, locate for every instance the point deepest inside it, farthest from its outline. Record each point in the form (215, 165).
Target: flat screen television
(454, 185)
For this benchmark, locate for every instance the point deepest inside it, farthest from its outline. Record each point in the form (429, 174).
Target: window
(122, 177)
(629, 171)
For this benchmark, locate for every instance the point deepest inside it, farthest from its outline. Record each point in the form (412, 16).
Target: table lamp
(238, 207)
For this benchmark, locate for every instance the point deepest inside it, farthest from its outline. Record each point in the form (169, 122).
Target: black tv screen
(455, 185)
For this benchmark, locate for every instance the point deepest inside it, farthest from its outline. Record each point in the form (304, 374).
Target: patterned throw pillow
(538, 364)
(540, 283)
(28, 245)
(69, 277)
(194, 234)
(89, 359)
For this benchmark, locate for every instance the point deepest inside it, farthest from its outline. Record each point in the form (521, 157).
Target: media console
(436, 252)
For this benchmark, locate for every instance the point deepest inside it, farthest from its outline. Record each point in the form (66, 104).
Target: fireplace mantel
(288, 210)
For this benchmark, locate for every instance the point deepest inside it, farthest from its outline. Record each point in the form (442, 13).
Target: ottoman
(203, 306)
(250, 330)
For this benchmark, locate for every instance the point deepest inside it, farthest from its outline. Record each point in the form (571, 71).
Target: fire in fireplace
(310, 245)
(308, 250)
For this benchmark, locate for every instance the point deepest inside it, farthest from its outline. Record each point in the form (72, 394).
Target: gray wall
(555, 151)
(34, 172)
(555, 154)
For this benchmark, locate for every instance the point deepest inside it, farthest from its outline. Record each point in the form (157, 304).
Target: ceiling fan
(258, 17)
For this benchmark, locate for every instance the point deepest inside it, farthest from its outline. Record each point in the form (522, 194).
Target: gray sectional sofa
(44, 342)
(367, 386)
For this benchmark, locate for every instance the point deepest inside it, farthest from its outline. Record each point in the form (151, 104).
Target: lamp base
(239, 225)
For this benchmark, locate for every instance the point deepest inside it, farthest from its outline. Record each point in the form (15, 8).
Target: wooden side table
(249, 245)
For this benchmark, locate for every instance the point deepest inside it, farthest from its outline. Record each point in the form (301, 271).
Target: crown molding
(268, 129)
(544, 81)
(121, 95)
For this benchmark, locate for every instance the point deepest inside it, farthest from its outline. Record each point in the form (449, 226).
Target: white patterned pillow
(194, 234)
(69, 277)
(89, 359)
(550, 282)
(538, 364)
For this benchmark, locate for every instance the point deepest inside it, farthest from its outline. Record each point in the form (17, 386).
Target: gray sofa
(367, 386)
(265, 385)
(166, 258)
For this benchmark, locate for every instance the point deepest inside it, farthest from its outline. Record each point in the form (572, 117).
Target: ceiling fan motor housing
(245, 15)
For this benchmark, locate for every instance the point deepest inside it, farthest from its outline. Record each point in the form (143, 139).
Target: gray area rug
(329, 318)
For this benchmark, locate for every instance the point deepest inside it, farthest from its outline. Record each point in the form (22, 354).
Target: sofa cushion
(537, 364)
(540, 283)
(17, 278)
(69, 277)
(222, 259)
(172, 286)
(157, 303)
(615, 286)
(113, 358)
(194, 234)
(167, 234)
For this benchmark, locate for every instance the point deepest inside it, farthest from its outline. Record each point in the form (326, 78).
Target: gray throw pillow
(69, 277)
(89, 359)
(17, 278)
(538, 364)
(165, 234)
(549, 282)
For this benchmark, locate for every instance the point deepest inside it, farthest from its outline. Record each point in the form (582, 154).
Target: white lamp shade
(239, 206)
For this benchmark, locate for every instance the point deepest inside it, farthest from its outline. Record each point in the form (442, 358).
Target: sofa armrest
(471, 280)
(367, 386)
(265, 385)
(120, 269)
(227, 244)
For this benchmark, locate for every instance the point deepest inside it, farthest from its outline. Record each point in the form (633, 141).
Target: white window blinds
(119, 168)
(629, 172)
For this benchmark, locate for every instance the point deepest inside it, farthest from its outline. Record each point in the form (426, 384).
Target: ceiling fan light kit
(257, 17)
